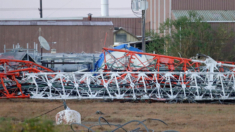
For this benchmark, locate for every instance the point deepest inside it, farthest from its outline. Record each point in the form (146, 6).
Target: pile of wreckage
(123, 73)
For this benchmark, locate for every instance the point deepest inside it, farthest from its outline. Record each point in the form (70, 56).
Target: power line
(59, 8)
(17, 8)
(28, 9)
(49, 111)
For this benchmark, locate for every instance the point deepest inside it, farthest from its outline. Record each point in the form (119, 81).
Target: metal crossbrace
(193, 83)
(133, 85)
(129, 75)
(12, 72)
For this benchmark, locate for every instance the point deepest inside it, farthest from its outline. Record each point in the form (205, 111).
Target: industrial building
(72, 35)
(62, 36)
(130, 24)
(67, 35)
(215, 12)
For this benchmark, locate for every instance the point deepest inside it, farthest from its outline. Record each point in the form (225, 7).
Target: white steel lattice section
(132, 85)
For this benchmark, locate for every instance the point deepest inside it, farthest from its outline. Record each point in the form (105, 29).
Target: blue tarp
(99, 63)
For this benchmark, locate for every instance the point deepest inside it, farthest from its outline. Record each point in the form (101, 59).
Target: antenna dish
(43, 43)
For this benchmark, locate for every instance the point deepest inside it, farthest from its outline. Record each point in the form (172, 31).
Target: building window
(121, 38)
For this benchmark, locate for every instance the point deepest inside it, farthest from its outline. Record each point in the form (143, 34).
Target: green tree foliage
(157, 43)
(190, 35)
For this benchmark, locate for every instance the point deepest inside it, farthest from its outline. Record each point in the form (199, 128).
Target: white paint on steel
(135, 59)
(104, 8)
(132, 88)
(208, 84)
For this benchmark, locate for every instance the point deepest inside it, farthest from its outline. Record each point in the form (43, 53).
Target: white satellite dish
(44, 43)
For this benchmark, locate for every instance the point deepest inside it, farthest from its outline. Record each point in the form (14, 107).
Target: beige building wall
(158, 12)
(129, 37)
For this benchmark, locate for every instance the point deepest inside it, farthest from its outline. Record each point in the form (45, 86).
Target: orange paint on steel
(14, 68)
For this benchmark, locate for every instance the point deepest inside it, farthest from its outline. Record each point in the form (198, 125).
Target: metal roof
(16, 56)
(112, 17)
(209, 15)
(120, 28)
(54, 23)
(41, 19)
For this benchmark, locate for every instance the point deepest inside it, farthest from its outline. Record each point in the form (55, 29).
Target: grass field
(181, 117)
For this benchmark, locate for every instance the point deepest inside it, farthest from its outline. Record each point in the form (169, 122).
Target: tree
(189, 35)
(157, 43)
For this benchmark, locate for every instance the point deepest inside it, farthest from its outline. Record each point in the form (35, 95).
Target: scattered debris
(67, 116)
(99, 112)
(119, 126)
(125, 75)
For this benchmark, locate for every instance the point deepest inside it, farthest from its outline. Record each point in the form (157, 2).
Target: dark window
(121, 38)
(138, 46)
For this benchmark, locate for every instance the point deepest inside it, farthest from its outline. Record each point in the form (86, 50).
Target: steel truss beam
(133, 75)
(133, 85)
(11, 77)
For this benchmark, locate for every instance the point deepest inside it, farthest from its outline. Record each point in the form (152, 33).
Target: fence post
(27, 51)
(34, 50)
(4, 48)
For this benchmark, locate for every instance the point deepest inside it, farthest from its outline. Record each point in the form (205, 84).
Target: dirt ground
(181, 117)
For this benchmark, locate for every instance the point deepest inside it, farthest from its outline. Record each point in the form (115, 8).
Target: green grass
(29, 125)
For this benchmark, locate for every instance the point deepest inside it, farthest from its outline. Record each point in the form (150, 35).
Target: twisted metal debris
(132, 85)
(118, 126)
(11, 74)
(126, 75)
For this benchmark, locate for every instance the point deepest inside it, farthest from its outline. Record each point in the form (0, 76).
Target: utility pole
(40, 42)
(143, 6)
(40, 27)
(40, 9)
(143, 31)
